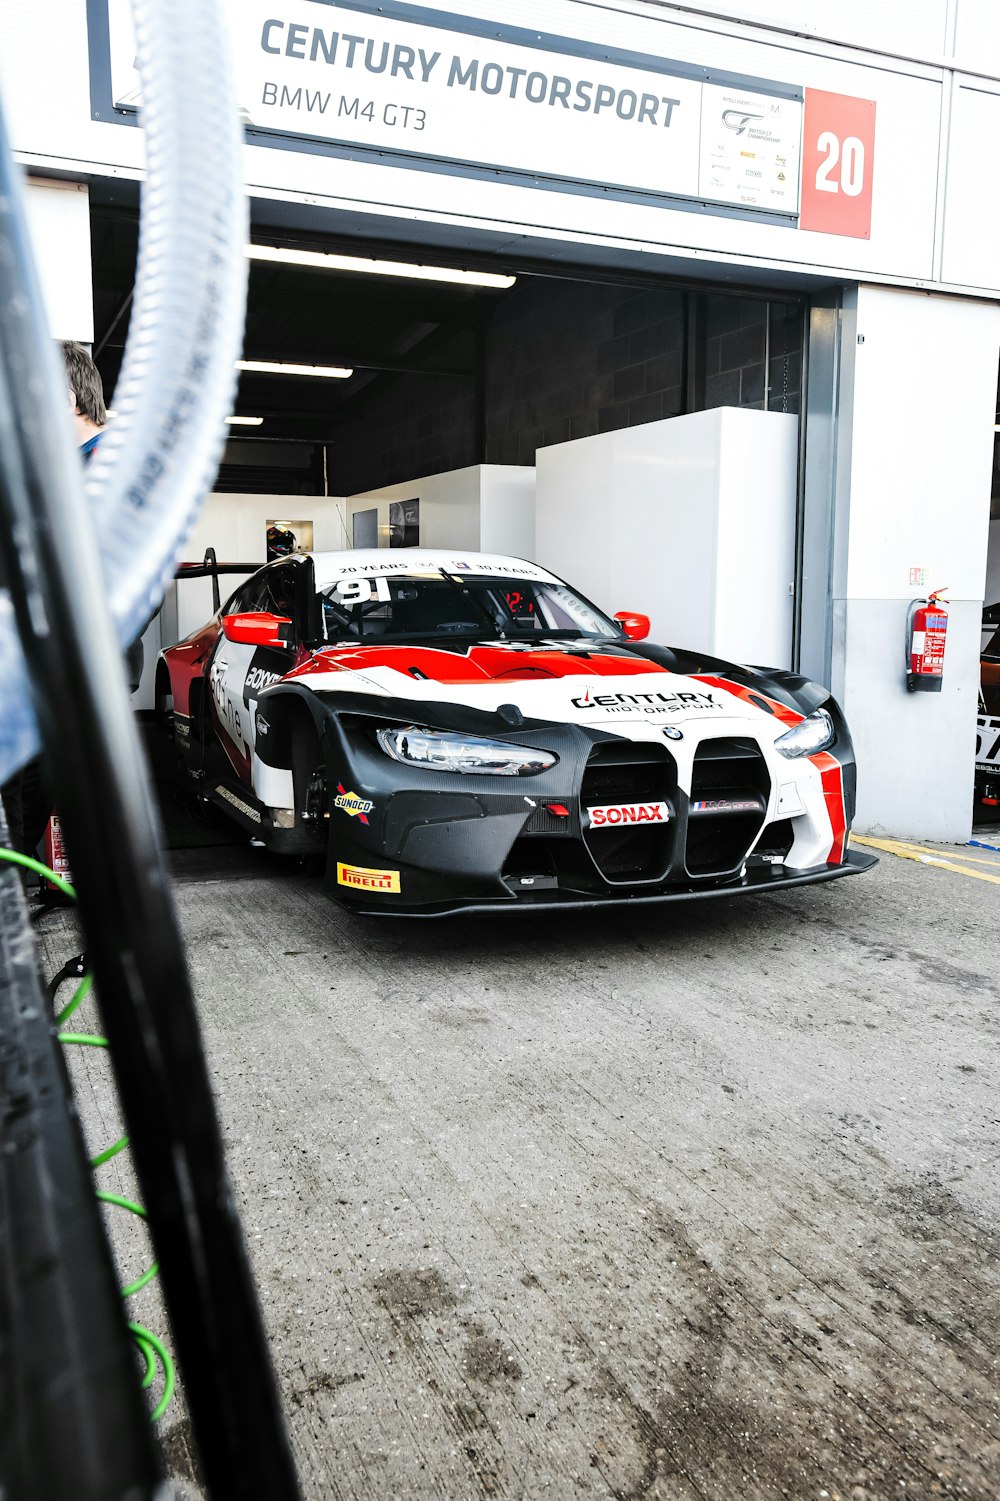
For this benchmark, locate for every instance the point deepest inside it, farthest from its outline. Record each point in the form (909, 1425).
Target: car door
(239, 672)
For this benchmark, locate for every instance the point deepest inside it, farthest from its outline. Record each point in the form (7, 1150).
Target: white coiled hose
(158, 461)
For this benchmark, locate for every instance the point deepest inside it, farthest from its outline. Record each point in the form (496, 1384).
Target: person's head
(86, 389)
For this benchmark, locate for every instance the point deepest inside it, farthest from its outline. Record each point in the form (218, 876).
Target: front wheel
(315, 811)
(163, 706)
(311, 792)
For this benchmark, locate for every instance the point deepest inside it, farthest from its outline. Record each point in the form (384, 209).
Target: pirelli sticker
(360, 879)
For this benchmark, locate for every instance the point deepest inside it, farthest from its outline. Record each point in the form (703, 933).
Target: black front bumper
(431, 844)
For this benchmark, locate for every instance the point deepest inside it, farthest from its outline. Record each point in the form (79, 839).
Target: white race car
(459, 731)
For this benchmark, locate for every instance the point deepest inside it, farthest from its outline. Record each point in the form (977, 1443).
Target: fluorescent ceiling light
(320, 261)
(236, 422)
(272, 367)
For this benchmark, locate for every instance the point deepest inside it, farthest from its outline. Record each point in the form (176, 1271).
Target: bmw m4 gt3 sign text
(455, 732)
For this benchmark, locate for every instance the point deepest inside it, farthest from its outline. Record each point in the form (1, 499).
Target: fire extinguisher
(926, 633)
(55, 858)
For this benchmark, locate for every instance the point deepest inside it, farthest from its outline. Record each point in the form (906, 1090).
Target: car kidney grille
(623, 774)
(728, 772)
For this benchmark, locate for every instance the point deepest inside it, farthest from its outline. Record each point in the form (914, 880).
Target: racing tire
(312, 798)
(163, 706)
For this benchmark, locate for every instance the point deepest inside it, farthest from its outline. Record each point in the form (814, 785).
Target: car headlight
(814, 734)
(445, 750)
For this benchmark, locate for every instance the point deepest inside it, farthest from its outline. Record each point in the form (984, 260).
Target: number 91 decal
(351, 592)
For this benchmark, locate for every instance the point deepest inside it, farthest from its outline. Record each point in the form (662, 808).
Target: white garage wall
(892, 25)
(484, 508)
(992, 594)
(977, 34)
(972, 216)
(690, 521)
(449, 507)
(507, 510)
(914, 475)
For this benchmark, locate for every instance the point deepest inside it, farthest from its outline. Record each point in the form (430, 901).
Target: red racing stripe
(833, 791)
(787, 716)
(828, 766)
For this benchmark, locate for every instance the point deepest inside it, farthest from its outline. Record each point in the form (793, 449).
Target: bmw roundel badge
(672, 733)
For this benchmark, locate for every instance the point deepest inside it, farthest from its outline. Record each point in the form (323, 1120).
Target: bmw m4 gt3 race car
(460, 732)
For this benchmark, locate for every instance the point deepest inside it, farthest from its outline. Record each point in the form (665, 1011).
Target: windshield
(482, 607)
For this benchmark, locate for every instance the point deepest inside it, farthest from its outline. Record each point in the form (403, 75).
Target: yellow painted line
(948, 854)
(924, 857)
(969, 859)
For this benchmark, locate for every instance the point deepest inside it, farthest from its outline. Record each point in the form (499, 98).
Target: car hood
(569, 684)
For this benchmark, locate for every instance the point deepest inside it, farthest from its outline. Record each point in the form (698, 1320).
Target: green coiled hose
(150, 1347)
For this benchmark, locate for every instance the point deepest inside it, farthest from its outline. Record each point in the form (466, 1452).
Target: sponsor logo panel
(614, 815)
(238, 803)
(259, 678)
(728, 805)
(988, 743)
(648, 703)
(362, 879)
(431, 568)
(353, 804)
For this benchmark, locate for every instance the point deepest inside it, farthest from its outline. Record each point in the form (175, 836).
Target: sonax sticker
(621, 813)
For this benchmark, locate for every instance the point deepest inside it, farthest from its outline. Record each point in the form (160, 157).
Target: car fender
(286, 710)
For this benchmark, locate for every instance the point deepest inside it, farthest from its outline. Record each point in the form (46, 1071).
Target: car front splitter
(756, 879)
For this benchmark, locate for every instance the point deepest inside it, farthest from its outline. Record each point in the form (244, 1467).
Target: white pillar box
(914, 467)
(690, 521)
(58, 215)
(484, 508)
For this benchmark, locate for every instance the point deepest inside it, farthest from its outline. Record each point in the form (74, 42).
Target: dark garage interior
(452, 375)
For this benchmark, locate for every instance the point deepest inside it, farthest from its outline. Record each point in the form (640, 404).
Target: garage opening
(376, 391)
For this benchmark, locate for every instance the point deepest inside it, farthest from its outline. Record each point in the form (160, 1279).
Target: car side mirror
(635, 627)
(257, 629)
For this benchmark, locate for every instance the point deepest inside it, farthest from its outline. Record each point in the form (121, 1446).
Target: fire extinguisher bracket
(926, 634)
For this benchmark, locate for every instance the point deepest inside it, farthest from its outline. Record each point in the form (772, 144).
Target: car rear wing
(210, 567)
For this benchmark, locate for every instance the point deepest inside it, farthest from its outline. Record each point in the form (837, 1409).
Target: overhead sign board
(425, 88)
(447, 90)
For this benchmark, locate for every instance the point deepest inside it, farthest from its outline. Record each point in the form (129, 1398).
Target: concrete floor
(697, 1202)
